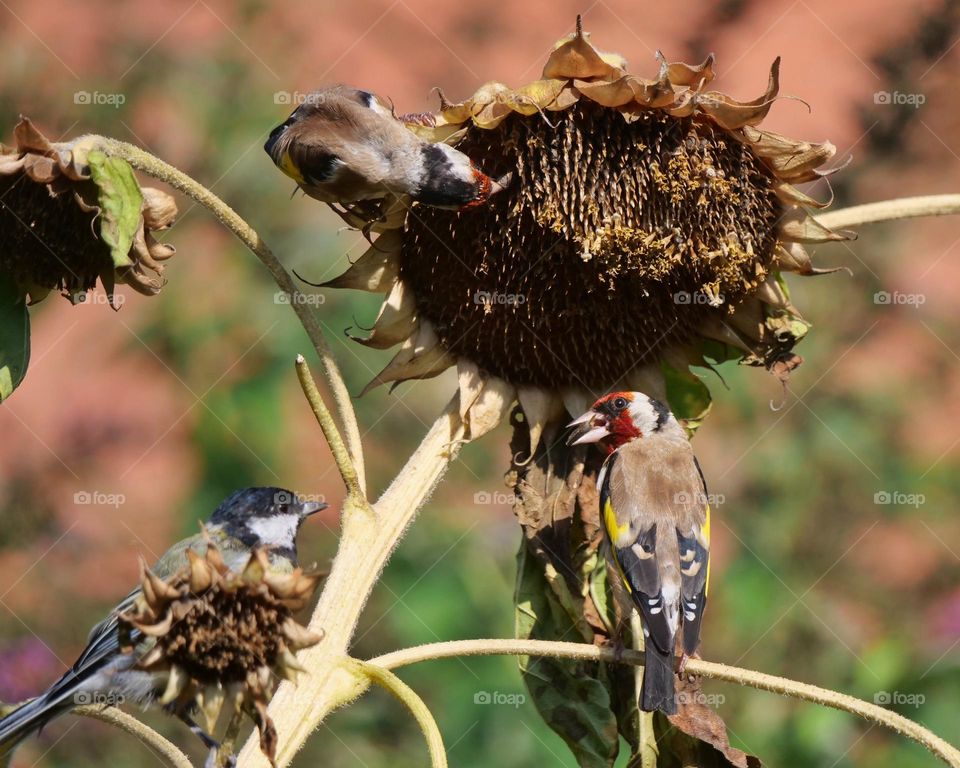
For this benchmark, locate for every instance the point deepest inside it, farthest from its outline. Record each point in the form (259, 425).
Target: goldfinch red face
(619, 418)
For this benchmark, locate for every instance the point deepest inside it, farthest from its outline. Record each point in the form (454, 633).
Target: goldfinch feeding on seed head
(653, 500)
(246, 520)
(344, 145)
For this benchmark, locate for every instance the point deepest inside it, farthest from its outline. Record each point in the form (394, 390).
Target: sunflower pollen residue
(609, 214)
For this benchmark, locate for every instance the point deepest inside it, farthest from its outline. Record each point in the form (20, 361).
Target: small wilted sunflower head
(222, 636)
(70, 215)
(645, 230)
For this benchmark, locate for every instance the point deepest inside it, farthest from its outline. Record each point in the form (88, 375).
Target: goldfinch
(653, 501)
(244, 521)
(343, 145)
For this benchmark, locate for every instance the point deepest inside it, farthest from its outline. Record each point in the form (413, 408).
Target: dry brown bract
(222, 636)
(70, 215)
(645, 230)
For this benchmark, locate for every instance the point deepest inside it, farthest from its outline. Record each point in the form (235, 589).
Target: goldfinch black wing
(694, 546)
(633, 536)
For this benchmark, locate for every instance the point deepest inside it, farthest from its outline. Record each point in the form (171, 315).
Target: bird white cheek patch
(277, 531)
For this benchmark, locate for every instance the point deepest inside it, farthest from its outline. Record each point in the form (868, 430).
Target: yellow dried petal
(489, 409)
(613, 93)
(212, 556)
(155, 590)
(201, 572)
(376, 270)
(731, 114)
(689, 75)
(210, 702)
(539, 408)
(289, 666)
(396, 321)
(538, 94)
(177, 682)
(156, 629)
(576, 58)
(299, 636)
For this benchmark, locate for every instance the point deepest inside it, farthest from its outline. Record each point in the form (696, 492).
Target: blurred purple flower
(27, 666)
(946, 617)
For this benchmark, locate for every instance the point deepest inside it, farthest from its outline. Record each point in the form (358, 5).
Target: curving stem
(408, 697)
(163, 171)
(166, 751)
(890, 210)
(747, 677)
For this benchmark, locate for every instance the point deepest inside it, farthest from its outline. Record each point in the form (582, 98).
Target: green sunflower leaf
(14, 336)
(120, 201)
(688, 397)
(572, 697)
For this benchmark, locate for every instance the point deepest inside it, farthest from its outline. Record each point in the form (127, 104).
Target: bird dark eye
(283, 508)
(620, 403)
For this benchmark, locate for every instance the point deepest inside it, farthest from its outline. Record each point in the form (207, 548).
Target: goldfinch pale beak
(591, 427)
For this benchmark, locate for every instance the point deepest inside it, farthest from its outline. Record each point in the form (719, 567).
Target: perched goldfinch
(653, 500)
(246, 520)
(344, 145)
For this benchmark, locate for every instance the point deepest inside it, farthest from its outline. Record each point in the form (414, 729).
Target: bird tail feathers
(657, 691)
(27, 719)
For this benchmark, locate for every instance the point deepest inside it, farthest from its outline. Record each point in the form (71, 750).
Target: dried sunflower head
(221, 636)
(646, 230)
(69, 214)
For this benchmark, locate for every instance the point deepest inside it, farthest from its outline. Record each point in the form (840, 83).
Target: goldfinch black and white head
(345, 145)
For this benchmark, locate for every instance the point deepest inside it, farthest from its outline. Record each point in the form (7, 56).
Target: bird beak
(310, 507)
(591, 427)
(498, 185)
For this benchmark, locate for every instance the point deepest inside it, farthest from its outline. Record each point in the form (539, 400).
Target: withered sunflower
(646, 229)
(222, 638)
(69, 214)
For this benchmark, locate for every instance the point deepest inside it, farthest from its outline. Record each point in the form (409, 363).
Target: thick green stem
(341, 456)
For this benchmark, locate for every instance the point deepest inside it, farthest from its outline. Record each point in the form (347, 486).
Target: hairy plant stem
(890, 210)
(408, 697)
(746, 677)
(157, 744)
(158, 169)
(341, 455)
(366, 543)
